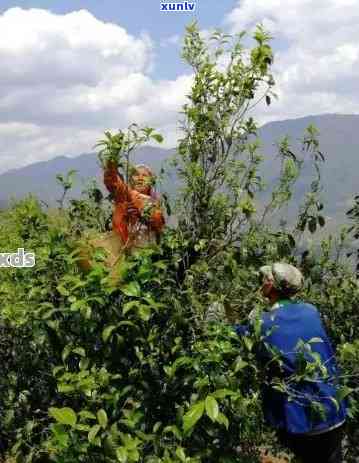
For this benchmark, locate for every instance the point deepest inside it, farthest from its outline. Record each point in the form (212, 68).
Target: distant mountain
(339, 141)
(40, 178)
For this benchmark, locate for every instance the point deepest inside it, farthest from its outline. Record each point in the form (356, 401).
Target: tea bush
(135, 371)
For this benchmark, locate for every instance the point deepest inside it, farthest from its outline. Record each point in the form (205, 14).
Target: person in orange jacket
(137, 217)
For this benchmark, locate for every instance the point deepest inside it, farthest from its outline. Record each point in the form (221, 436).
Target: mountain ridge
(338, 136)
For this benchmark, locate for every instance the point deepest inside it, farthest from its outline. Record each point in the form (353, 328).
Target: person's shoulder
(295, 308)
(306, 309)
(306, 305)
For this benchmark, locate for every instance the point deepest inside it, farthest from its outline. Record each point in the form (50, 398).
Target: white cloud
(67, 78)
(172, 40)
(317, 53)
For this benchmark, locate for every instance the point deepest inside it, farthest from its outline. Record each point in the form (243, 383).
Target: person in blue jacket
(305, 412)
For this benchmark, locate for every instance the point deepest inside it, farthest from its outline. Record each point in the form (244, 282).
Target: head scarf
(286, 277)
(154, 195)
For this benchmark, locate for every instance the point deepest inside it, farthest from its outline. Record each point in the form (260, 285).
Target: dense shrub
(130, 372)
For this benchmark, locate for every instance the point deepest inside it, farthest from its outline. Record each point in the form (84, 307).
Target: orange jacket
(127, 224)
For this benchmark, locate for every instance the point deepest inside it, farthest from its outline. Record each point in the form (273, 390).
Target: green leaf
(62, 290)
(239, 364)
(57, 370)
(121, 454)
(132, 289)
(64, 388)
(312, 225)
(66, 352)
(79, 351)
(335, 402)
(343, 392)
(248, 342)
(315, 341)
(145, 312)
(222, 419)
(83, 427)
(60, 434)
(93, 433)
(102, 418)
(133, 455)
(86, 312)
(29, 426)
(211, 405)
(106, 333)
(221, 393)
(129, 306)
(180, 453)
(127, 323)
(291, 241)
(157, 426)
(63, 415)
(49, 313)
(174, 430)
(157, 137)
(87, 415)
(84, 363)
(193, 415)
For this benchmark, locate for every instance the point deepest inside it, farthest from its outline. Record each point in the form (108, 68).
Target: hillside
(40, 178)
(339, 139)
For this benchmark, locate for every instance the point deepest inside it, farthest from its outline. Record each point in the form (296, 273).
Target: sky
(74, 68)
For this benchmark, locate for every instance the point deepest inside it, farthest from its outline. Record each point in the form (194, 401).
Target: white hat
(286, 277)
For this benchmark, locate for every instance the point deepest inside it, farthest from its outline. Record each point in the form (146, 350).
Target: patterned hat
(286, 277)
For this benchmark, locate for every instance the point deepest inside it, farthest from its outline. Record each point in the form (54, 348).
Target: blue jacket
(282, 329)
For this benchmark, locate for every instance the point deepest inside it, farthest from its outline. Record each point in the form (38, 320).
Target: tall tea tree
(353, 215)
(218, 155)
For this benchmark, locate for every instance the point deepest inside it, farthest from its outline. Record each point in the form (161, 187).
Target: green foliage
(353, 215)
(117, 148)
(66, 183)
(218, 156)
(91, 211)
(135, 372)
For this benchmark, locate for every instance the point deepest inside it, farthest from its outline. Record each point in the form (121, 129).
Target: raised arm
(114, 183)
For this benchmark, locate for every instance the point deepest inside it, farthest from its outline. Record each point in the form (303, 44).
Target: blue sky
(74, 68)
(143, 16)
